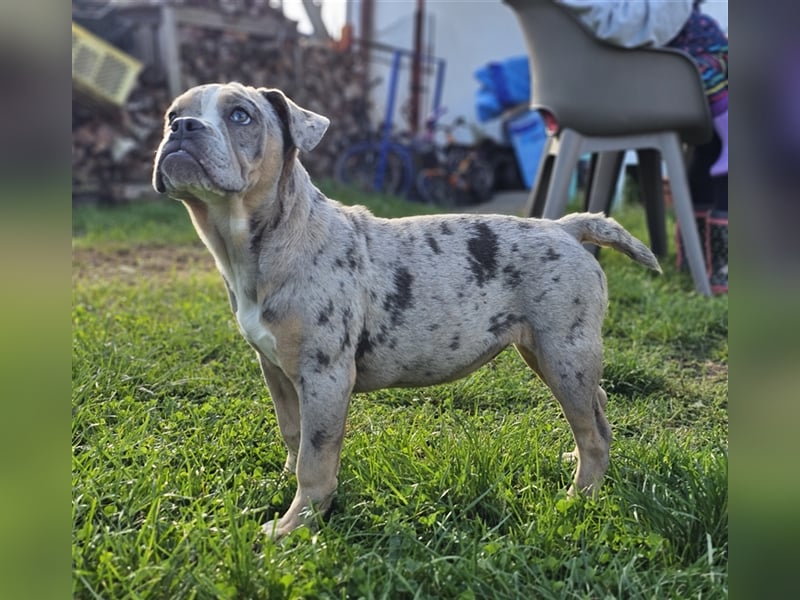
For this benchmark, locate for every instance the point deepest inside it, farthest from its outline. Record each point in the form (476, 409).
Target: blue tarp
(503, 84)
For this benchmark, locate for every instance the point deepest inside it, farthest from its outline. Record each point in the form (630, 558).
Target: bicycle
(387, 163)
(377, 166)
(464, 175)
(389, 166)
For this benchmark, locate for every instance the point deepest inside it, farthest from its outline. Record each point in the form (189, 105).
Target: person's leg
(704, 41)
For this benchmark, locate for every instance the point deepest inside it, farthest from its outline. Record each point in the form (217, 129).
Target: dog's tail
(598, 229)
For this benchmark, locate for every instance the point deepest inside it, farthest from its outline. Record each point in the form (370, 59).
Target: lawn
(454, 491)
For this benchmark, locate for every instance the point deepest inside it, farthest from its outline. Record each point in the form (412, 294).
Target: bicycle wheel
(434, 188)
(358, 167)
(480, 179)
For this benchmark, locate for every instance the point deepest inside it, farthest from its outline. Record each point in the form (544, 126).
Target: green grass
(454, 491)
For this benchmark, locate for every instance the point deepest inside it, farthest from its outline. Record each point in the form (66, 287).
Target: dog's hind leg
(574, 378)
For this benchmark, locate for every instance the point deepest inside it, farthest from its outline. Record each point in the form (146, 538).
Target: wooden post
(170, 50)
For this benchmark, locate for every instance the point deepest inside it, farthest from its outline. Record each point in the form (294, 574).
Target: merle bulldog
(335, 300)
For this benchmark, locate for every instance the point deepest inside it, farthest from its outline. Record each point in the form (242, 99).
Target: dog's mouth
(186, 167)
(179, 169)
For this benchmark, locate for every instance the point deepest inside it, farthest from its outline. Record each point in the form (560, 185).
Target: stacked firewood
(315, 76)
(113, 149)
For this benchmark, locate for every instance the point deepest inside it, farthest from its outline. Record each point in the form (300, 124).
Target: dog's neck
(253, 236)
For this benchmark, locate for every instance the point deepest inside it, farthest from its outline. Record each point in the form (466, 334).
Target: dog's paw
(570, 456)
(275, 529)
(294, 518)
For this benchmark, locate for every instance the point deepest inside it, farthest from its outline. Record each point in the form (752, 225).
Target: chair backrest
(599, 89)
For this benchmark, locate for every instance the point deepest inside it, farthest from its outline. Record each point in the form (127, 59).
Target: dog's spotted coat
(335, 300)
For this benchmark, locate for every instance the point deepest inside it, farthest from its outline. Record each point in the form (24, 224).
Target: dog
(335, 300)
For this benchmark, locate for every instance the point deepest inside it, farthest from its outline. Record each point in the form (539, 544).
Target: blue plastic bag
(503, 84)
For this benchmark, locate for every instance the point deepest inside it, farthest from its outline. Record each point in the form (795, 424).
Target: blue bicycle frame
(386, 139)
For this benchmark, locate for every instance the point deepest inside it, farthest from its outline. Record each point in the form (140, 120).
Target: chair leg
(603, 181)
(569, 151)
(652, 192)
(682, 202)
(602, 186)
(536, 199)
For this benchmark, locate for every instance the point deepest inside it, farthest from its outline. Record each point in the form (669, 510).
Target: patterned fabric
(703, 39)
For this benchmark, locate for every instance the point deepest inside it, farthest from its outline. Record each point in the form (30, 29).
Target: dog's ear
(302, 128)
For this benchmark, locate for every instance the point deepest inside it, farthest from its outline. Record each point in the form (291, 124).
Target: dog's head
(223, 139)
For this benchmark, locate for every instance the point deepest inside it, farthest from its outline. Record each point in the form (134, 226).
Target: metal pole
(416, 67)
(387, 120)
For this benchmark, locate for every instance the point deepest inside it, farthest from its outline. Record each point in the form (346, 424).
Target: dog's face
(223, 139)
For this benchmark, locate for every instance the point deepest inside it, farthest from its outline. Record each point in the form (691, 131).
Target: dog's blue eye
(240, 116)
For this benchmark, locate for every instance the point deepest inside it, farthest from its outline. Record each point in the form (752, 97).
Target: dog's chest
(236, 265)
(254, 331)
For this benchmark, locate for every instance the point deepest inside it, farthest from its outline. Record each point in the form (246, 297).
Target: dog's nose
(187, 125)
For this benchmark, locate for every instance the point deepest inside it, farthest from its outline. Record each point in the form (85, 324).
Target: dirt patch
(134, 262)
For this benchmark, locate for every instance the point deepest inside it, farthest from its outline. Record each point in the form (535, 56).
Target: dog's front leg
(287, 409)
(323, 400)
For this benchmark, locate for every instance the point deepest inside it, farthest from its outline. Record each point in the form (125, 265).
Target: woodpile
(113, 149)
(317, 77)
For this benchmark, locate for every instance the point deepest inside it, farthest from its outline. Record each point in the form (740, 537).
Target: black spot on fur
(433, 243)
(268, 314)
(325, 314)
(445, 228)
(580, 377)
(575, 329)
(364, 344)
(502, 322)
(513, 276)
(455, 344)
(576, 301)
(482, 247)
(357, 220)
(550, 255)
(323, 360)
(353, 260)
(556, 279)
(602, 426)
(319, 438)
(401, 299)
(346, 316)
(433, 327)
